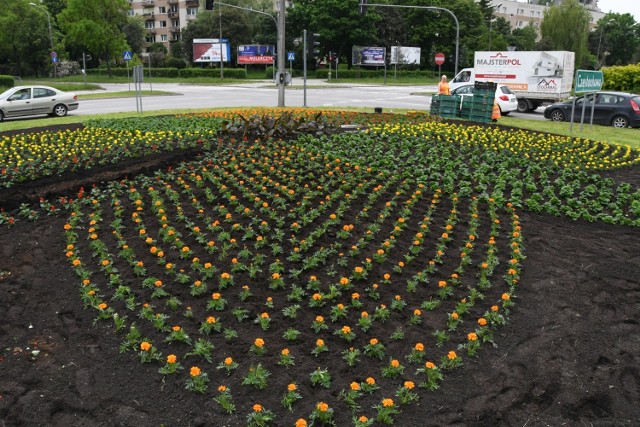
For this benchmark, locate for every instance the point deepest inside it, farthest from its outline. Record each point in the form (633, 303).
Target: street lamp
(455, 18)
(50, 33)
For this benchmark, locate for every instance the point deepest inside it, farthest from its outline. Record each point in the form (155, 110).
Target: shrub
(6, 81)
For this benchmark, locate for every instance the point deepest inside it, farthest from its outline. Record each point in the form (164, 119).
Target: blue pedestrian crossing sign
(291, 56)
(127, 55)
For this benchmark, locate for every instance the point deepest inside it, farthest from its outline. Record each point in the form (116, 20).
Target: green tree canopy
(619, 37)
(566, 27)
(97, 25)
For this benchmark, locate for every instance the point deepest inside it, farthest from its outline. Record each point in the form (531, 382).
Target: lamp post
(280, 23)
(50, 33)
(455, 18)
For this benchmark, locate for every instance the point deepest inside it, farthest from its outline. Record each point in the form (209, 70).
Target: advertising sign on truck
(535, 77)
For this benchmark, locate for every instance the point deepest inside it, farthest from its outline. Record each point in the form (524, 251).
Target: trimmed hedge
(234, 73)
(623, 78)
(7, 81)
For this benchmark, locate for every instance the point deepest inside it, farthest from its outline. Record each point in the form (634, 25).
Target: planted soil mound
(569, 355)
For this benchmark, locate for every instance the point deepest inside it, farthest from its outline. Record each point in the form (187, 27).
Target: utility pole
(281, 53)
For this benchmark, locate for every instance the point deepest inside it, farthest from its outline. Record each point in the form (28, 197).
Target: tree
(338, 22)
(523, 38)
(566, 27)
(236, 26)
(134, 33)
(618, 36)
(97, 25)
(24, 40)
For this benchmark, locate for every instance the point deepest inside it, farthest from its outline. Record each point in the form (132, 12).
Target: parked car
(618, 109)
(35, 100)
(506, 100)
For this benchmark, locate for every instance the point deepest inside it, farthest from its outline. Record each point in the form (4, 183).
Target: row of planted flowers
(541, 173)
(286, 270)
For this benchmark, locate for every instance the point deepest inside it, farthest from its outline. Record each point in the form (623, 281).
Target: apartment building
(164, 19)
(522, 13)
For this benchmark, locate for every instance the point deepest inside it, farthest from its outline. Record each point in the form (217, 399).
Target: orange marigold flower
(322, 407)
(417, 312)
(419, 346)
(264, 315)
(505, 297)
(471, 336)
(285, 352)
(387, 403)
(145, 346)
(105, 262)
(176, 328)
(373, 341)
(171, 358)
(301, 423)
(195, 371)
(395, 363)
(346, 330)
(442, 283)
(316, 297)
(452, 355)
(257, 407)
(275, 276)
(228, 361)
(363, 419)
(364, 314)
(319, 342)
(386, 276)
(102, 306)
(211, 320)
(430, 365)
(454, 316)
(319, 319)
(358, 269)
(482, 321)
(292, 387)
(344, 281)
(409, 385)
(370, 381)
(222, 388)
(354, 386)
(259, 342)
(225, 276)
(494, 308)
(215, 295)
(355, 295)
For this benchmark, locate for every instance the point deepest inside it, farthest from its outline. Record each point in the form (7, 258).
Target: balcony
(173, 1)
(148, 16)
(147, 3)
(175, 30)
(173, 14)
(193, 3)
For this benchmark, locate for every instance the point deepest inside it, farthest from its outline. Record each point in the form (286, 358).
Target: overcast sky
(621, 6)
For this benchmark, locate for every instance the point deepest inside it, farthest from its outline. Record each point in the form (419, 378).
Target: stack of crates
(446, 106)
(479, 107)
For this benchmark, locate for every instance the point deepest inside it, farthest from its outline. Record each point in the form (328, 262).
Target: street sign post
(127, 56)
(439, 60)
(587, 81)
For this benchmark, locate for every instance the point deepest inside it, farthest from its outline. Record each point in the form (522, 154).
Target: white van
(464, 77)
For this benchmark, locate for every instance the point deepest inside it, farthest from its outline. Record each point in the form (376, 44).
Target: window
(192, 11)
(150, 38)
(149, 25)
(163, 24)
(40, 92)
(163, 38)
(175, 23)
(162, 9)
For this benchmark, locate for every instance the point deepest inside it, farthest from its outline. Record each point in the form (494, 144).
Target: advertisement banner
(405, 55)
(369, 56)
(256, 54)
(208, 50)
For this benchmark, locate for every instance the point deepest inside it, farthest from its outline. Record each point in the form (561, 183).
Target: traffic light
(363, 7)
(312, 45)
(208, 5)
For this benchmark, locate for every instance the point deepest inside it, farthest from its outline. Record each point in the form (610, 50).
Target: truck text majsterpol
(535, 77)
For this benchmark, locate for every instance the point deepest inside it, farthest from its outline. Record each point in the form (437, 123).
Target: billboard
(208, 50)
(256, 54)
(405, 55)
(366, 55)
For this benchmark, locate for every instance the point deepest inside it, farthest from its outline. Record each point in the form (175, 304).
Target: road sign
(588, 81)
(291, 56)
(127, 55)
(54, 55)
(439, 59)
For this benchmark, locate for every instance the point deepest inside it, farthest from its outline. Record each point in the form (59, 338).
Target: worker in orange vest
(495, 112)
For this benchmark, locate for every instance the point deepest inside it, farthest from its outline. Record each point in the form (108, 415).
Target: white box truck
(535, 77)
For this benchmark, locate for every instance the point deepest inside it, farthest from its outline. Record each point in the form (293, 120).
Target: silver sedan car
(36, 100)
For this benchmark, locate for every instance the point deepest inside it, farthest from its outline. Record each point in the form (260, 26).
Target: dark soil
(570, 354)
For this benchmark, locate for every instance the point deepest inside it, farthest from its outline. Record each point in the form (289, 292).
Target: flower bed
(271, 269)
